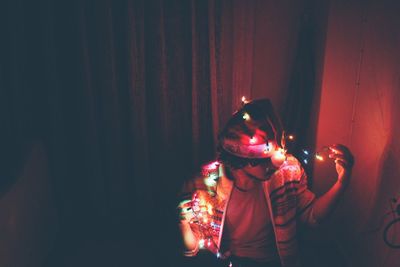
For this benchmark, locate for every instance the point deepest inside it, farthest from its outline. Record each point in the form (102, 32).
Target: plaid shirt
(288, 199)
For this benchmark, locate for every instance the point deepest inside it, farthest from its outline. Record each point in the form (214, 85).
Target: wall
(359, 107)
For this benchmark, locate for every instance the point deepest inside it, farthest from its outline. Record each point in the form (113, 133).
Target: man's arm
(190, 241)
(189, 238)
(344, 161)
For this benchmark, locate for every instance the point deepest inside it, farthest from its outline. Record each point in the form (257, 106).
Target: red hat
(253, 131)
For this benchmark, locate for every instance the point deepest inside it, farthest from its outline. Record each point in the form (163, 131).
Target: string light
(203, 203)
(278, 157)
(212, 166)
(285, 138)
(306, 155)
(203, 210)
(267, 148)
(246, 116)
(204, 206)
(201, 243)
(253, 140)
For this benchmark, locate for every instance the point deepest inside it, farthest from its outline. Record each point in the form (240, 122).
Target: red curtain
(128, 98)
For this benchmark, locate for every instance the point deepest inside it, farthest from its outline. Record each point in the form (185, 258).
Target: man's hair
(234, 162)
(261, 117)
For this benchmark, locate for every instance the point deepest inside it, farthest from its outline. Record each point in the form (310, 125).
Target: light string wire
(358, 75)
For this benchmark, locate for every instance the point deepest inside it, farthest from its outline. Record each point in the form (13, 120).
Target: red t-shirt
(248, 231)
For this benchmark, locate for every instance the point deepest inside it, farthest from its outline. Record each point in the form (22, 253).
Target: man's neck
(242, 181)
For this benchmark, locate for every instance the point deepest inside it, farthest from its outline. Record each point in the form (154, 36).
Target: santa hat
(253, 131)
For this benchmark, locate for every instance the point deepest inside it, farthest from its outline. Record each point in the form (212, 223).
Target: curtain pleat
(243, 49)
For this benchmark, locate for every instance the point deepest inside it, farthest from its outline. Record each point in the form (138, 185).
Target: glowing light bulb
(244, 101)
(246, 116)
(305, 152)
(305, 161)
(210, 209)
(253, 140)
(210, 181)
(319, 157)
(212, 166)
(201, 243)
(267, 148)
(218, 254)
(291, 137)
(278, 157)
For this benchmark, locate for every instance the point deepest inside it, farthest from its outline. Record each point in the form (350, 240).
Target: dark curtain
(302, 97)
(134, 97)
(127, 98)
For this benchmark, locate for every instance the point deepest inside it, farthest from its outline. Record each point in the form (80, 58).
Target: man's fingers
(341, 153)
(340, 157)
(342, 163)
(339, 148)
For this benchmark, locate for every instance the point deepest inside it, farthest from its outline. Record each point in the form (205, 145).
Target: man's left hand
(344, 161)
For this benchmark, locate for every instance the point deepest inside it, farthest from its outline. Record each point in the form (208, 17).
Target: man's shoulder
(291, 169)
(292, 161)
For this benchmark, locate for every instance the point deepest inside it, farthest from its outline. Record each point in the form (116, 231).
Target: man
(245, 208)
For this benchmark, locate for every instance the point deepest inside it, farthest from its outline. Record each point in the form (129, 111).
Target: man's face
(261, 169)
